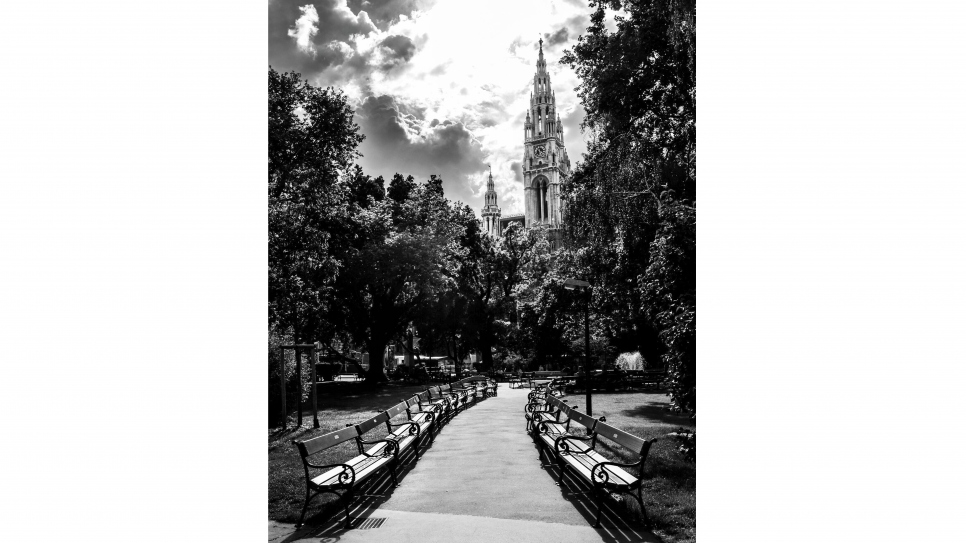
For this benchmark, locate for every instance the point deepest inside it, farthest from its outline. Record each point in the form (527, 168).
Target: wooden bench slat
(397, 409)
(330, 439)
(583, 419)
(363, 466)
(584, 463)
(372, 422)
(617, 435)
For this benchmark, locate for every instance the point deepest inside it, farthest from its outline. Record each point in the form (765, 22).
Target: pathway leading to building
(481, 479)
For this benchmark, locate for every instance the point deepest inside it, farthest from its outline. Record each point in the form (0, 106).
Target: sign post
(577, 284)
(281, 382)
(314, 360)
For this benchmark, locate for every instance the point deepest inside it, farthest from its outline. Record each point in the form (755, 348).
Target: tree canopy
(354, 258)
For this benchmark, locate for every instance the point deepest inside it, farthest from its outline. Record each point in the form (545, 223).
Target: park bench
(438, 404)
(578, 455)
(449, 401)
(406, 434)
(543, 410)
(346, 478)
(475, 387)
(426, 415)
(460, 396)
(548, 425)
(491, 386)
(542, 390)
(547, 375)
(653, 378)
(347, 377)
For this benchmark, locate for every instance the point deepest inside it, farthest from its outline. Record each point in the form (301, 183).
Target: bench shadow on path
(328, 524)
(614, 527)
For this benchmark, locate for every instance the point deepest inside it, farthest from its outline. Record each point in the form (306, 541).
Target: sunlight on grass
(669, 488)
(338, 407)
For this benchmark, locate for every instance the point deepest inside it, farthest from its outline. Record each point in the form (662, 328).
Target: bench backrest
(631, 442)
(397, 409)
(583, 419)
(371, 423)
(567, 411)
(561, 405)
(325, 441)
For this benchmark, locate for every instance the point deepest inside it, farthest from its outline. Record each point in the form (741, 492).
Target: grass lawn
(339, 404)
(669, 489)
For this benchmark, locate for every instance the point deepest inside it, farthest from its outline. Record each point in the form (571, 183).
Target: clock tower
(545, 160)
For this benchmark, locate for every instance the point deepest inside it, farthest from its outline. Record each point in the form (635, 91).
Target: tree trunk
(486, 356)
(485, 345)
(377, 362)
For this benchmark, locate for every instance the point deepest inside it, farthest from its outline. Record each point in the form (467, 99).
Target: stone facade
(545, 160)
(545, 163)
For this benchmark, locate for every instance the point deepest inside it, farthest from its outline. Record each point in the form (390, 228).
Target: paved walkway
(481, 479)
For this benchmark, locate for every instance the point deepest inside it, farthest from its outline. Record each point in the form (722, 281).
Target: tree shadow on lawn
(658, 412)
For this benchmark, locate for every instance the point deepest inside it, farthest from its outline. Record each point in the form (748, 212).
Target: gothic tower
(491, 213)
(545, 160)
(545, 164)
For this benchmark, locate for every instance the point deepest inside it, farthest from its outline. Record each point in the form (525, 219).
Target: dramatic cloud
(400, 48)
(386, 12)
(517, 169)
(439, 86)
(306, 27)
(557, 37)
(313, 37)
(399, 140)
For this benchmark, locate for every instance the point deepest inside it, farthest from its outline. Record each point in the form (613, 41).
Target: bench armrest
(413, 430)
(531, 406)
(392, 448)
(599, 475)
(560, 444)
(431, 415)
(347, 477)
(542, 426)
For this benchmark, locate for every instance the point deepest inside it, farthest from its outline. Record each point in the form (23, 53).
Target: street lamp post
(577, 284)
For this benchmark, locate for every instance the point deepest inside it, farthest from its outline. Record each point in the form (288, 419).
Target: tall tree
(631, 202)
(312, 142)
(392, 272)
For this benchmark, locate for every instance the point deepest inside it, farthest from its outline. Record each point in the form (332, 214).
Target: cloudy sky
(439, 86)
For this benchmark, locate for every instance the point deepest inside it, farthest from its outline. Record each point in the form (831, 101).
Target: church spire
(491, 212)
(541, 62)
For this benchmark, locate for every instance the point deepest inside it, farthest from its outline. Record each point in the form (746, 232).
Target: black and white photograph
(448, 287)
(482, 309)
